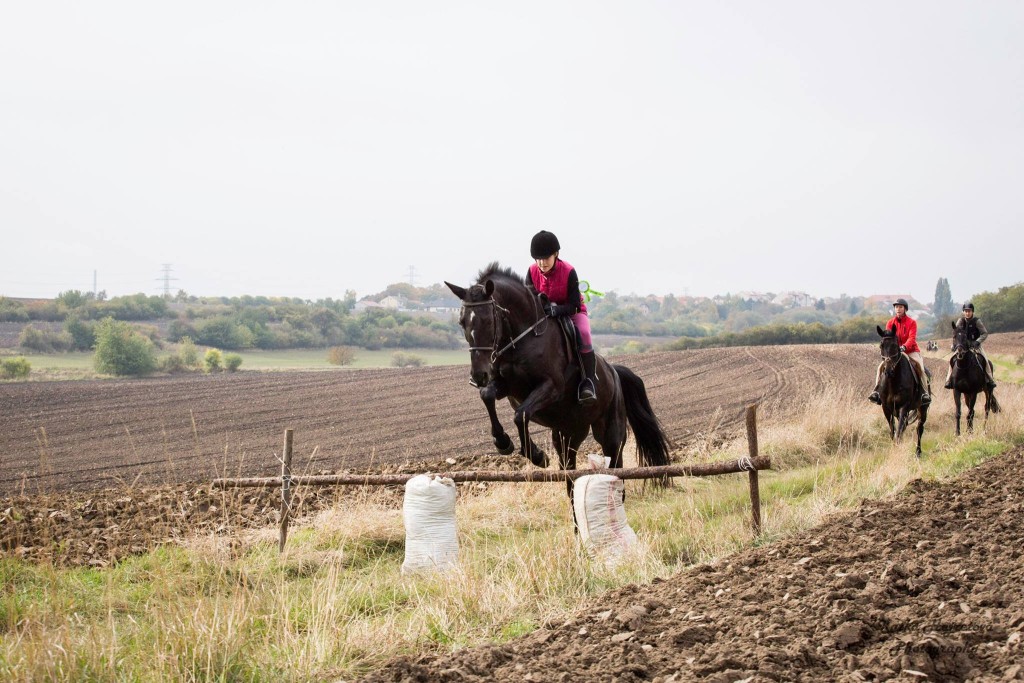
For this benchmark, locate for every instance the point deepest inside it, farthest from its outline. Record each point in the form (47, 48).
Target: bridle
(891, 362)
(500, 322)
(962, 348)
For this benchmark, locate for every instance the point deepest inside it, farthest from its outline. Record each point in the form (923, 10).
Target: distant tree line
(1002, 311)
(851, 331)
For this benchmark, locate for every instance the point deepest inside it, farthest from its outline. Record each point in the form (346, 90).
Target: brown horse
(519, 353)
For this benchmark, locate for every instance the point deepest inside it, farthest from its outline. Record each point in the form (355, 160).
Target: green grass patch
(79, 365)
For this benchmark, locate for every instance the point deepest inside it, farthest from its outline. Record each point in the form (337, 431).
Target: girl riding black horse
(518, 352)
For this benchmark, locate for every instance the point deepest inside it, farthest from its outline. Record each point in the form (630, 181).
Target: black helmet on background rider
(968, 306)
(543, 244)
(901, 302)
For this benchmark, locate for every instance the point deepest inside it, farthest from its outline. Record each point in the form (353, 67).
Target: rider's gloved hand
(975, 345)
(557, 311)
(903, 349)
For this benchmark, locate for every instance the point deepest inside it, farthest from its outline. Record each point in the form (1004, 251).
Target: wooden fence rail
(751, 464)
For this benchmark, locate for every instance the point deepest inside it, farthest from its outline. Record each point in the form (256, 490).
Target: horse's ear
(456, 290)
(952, 324)
(489, 287)
(881, 333)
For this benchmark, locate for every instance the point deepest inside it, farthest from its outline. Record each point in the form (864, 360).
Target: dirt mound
(928, 586)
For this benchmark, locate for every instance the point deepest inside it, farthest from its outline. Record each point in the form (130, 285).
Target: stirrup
(586, 392)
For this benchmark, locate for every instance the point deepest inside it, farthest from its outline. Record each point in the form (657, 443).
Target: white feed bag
(431, 542)
(601, 516)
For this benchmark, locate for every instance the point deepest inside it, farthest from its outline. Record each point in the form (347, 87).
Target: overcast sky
(302, 149)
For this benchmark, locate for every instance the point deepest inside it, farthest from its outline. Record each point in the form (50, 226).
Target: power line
(167, 280)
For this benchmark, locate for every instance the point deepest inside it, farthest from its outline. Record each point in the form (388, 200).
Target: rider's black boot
(588, 387)
(874, 397)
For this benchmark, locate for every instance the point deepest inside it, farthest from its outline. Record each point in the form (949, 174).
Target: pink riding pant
(582, 323)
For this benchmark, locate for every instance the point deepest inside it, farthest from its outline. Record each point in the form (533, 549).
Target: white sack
(431, 542)
(601, 516)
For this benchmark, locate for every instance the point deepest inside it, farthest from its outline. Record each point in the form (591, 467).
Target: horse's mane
(494, 271)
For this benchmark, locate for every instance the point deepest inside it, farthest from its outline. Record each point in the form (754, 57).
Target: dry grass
(336, 603)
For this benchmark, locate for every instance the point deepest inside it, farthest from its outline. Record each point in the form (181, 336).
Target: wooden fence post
(286, 487)
(755, 493)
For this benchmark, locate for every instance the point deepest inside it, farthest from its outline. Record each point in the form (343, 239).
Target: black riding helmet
(901, 302)
(968, 306)
(543, 244)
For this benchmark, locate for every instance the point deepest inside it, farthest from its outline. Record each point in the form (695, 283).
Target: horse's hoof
(539, 458)
(508, 449)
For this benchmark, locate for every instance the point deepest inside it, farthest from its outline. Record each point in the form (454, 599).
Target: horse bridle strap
(495, 351)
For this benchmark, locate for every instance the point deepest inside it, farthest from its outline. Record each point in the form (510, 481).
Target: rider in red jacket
(906, 334)
(558, 280)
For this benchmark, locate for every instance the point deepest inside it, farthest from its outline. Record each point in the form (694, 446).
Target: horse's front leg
(902, 426)
(887, 412)
(970, 412)
(541, 397)
(922, 417)
(956, 400)
(502, 441)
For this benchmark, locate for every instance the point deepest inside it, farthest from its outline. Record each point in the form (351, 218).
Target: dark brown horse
(900, 390)
(517, 352)
(969, 378)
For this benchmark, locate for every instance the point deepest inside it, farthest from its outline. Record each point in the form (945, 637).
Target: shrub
(341, 355)
(172, 365)
(406, 360)
(44, 341)
(232, 361)
(213, 360)
(188, 354)
(15, 368)
(120, 350)
(83, 334)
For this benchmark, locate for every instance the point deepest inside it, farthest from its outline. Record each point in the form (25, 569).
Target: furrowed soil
(928, 587)
(95, 470)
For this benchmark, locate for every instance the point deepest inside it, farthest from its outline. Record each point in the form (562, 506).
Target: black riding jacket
(976, 331)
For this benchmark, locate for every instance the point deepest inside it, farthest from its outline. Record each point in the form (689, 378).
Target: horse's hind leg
(502, 441)
(567, 448)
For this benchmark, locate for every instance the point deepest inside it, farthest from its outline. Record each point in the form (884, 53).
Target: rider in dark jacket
(976, 334)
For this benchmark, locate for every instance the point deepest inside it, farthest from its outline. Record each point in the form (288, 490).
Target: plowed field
(60, 436)
(95, 470)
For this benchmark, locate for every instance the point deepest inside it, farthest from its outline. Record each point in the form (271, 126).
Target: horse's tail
(651, 441)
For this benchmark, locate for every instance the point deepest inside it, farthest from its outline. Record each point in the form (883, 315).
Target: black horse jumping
(519, 353)
(969, 378)
(900, 390)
